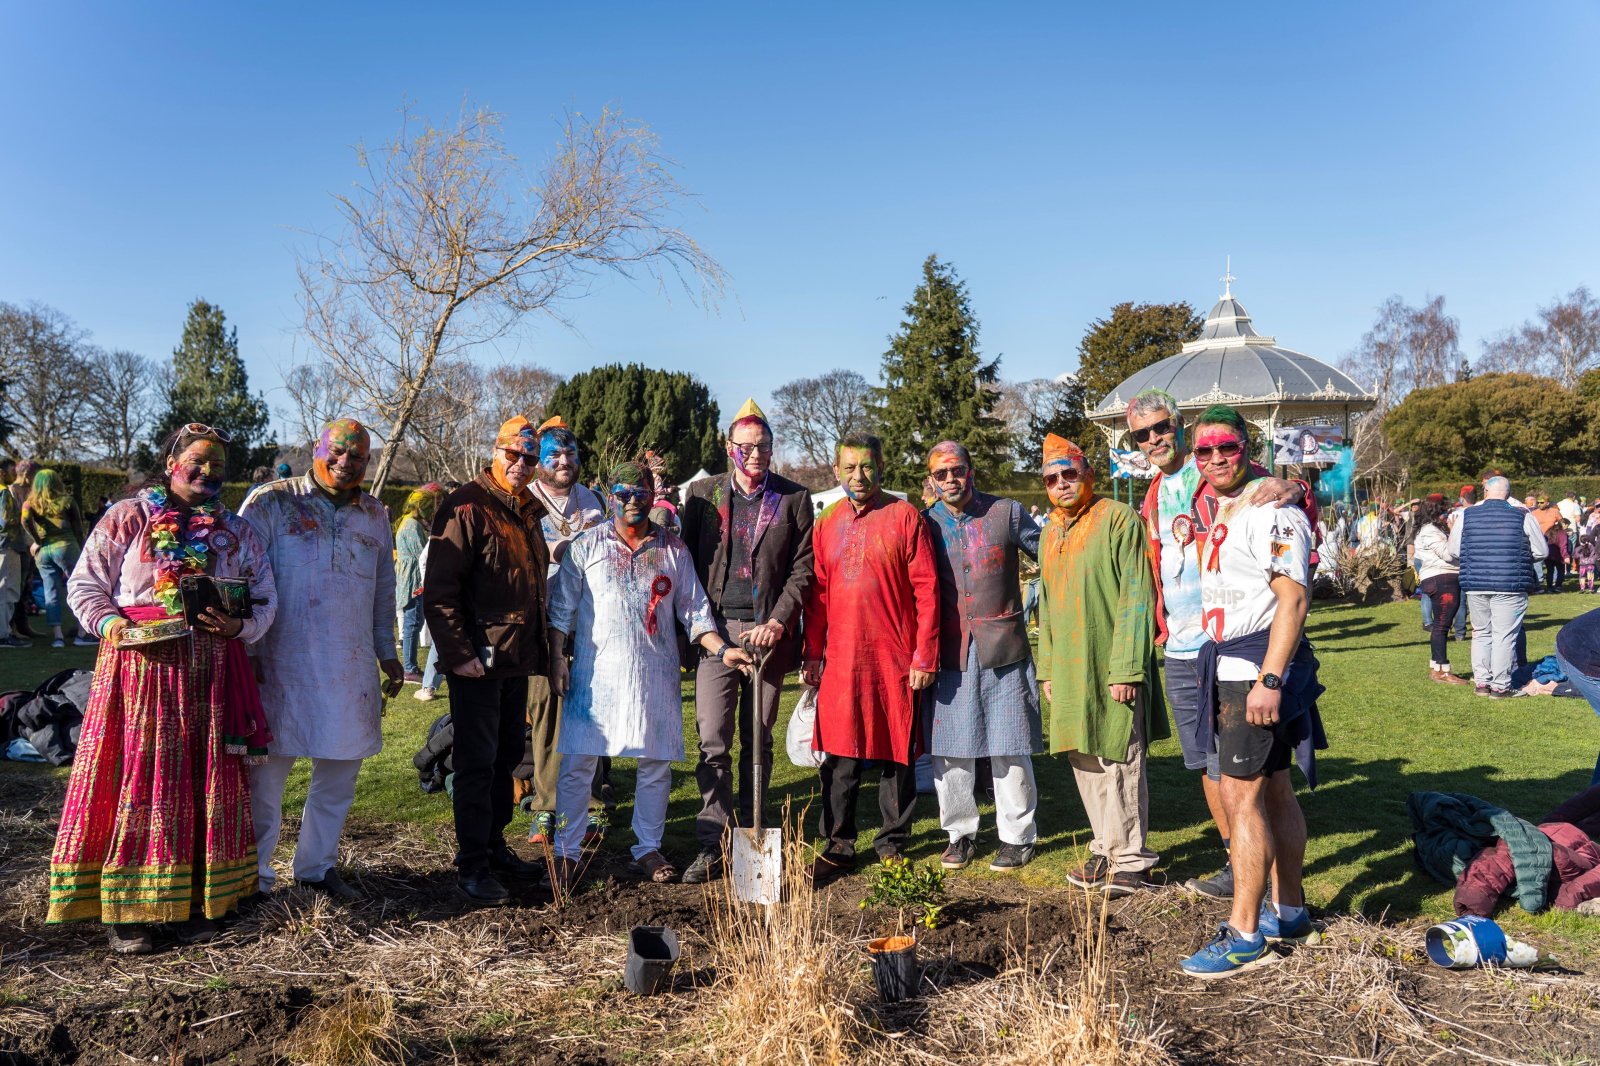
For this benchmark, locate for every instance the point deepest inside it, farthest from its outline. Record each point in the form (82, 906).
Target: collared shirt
(583, 509)
(975, 550)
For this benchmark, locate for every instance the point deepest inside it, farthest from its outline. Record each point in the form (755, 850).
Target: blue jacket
(1299, 723)
(1495, 556)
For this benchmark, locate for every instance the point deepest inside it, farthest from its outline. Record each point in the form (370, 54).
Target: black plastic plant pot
(652, 953)
(894, 967)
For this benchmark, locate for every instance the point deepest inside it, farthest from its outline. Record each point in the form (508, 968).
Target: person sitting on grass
(1258, 691)
(623, 589)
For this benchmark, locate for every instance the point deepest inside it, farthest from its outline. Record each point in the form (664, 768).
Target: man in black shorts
(1258, 690)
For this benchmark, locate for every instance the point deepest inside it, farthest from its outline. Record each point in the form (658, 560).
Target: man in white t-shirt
(1257, 690)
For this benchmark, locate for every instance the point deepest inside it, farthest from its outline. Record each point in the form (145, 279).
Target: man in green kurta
(1097, 642)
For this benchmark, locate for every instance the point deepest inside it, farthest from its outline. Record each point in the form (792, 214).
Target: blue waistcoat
(1495, 556)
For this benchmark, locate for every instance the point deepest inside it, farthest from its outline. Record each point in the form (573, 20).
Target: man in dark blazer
(749, 532)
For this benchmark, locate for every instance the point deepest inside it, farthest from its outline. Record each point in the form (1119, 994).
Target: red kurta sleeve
(815, 634)
(925, 592)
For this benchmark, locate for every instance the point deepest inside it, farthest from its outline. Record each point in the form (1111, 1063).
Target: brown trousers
(1116, 796)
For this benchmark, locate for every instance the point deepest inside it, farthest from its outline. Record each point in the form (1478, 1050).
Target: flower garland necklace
(180, 547)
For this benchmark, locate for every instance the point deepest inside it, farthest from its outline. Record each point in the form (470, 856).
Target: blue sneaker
(1276, 932)
(1226, 955)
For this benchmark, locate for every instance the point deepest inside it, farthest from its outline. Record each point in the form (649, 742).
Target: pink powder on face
(1211, 436)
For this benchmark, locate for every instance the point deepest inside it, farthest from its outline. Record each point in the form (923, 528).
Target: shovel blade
(757, 865)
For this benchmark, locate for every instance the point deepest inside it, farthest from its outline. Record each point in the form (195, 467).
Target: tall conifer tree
(935, 384)
(209, 385)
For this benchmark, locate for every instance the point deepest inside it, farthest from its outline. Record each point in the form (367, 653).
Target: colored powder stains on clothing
(1177, 531)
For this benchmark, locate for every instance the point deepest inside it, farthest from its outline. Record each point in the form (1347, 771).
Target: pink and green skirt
(157, 819)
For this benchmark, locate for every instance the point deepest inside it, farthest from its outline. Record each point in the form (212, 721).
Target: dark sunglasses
(627, 496)
(1225, 450)
(1160, 429)
(1071, 475)
(949, 473)
(514, 457)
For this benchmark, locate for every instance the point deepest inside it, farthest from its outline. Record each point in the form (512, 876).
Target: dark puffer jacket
(1575, 861)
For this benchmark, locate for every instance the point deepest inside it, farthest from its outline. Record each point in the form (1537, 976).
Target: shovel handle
(757, 727)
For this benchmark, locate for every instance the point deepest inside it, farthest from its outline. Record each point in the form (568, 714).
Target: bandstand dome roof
(1232, 363)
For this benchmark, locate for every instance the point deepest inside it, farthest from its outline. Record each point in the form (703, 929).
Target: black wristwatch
(1272, 681)
(722, 653)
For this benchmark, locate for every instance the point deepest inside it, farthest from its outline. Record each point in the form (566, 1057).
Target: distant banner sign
(1131, 464)
(1307, 445)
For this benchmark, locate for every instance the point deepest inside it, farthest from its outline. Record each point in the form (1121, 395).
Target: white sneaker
(423, 694)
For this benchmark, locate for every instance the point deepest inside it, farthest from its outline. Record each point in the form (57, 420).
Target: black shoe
(505, 861)
(829, 867)
(197, 930)
(707, 866)
(130, 939)
(1012, 857)
(482, 889)
(332, 885)
(1218, 886)
(958, 856)
(1126, 883)
(1092, 874)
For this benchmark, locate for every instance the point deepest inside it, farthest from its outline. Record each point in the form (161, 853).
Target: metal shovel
(757, 853)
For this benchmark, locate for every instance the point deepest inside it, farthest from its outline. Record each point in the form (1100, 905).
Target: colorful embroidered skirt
(157, 819)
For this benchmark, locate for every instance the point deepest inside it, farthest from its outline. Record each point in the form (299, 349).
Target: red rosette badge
(659, 589)
(1218, 535)
(1183, 530)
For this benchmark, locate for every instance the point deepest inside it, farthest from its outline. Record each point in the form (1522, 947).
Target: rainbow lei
(179, 547)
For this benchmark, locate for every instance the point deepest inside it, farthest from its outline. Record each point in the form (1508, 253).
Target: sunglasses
(950, 473)
(1225, 450)
(514, 458)
(200, 429)
(1160, 429)
(626, 496)
(1070, 476)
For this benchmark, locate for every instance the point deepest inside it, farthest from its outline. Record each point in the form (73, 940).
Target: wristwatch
(1271, 681)
(722, 654)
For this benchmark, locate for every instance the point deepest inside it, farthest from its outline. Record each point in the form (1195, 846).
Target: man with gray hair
(1498, 546)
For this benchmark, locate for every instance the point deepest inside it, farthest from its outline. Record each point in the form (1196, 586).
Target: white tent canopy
(819, 500)
(683, 489)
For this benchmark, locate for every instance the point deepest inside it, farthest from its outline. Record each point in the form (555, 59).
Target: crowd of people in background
(563, 617)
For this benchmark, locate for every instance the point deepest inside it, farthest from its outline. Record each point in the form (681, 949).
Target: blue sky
(1063, 158)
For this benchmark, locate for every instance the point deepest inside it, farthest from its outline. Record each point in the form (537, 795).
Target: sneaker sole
(1267, 958)
(959, 865)
(1092, 886)
(1199, 888)
(1006, 869)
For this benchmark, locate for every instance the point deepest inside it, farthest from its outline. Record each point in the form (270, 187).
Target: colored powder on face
(550, 448)
(344, 432)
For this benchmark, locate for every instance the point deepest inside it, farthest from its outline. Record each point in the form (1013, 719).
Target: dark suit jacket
(781, 558)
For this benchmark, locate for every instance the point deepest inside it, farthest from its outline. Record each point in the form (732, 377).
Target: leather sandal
(655, 866)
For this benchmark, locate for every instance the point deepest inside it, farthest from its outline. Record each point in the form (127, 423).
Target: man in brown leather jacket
(484, 599)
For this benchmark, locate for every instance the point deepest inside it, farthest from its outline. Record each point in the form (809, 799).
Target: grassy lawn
(1392, 732)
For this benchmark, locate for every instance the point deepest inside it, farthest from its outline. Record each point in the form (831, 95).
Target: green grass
(1392, 731)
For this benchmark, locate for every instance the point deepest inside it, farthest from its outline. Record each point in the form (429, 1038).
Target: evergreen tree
(617, 412)
(209, 385)
(1135, 336)
(935, 385)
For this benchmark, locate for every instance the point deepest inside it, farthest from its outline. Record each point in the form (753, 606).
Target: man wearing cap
(319, 688)
(623, 590)
(749, 532)
(871, 645)
(986, 697)
(484, 596)
(569, 509)
(1097, 661)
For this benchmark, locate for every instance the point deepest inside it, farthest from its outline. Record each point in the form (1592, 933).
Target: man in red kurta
(871, 643)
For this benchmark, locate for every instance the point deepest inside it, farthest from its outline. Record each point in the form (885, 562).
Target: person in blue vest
(1498, 545)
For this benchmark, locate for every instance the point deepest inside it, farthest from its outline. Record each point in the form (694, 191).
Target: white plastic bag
(802, 727)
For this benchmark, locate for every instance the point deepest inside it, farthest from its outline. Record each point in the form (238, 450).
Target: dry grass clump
(356, 1028)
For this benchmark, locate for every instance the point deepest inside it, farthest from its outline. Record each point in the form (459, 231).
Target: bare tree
(121, 390)
(1562, 344)
(1407, 348)
(317, 393)
(811, 415)
(47, 394)
(447, 245)
(454, 424)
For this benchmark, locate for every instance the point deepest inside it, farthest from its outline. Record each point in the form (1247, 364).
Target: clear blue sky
(1062, 157)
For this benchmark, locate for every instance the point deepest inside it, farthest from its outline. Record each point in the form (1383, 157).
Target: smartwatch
(1272, 681)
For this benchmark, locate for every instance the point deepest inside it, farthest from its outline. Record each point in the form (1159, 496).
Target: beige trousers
(1116, 796)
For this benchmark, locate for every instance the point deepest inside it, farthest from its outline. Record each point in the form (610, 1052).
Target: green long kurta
(1097, 627)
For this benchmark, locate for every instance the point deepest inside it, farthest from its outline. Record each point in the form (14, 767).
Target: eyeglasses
(202, 430)
(1225, 450)
(1068, 476)
(950, 473)
(759, 447)
(514, 458)
(626, 496)
(1160, 429)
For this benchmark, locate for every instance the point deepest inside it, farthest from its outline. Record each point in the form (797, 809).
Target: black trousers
(1445, 592)
(897, 801)
(489, 719)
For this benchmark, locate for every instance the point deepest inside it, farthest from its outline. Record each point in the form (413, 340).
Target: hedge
(89, 484)
(1587, 487)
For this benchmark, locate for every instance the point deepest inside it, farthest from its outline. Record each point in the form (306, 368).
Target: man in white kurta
(623, 589)
(318, 663)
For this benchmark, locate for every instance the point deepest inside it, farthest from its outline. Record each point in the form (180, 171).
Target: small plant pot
(894, 967)
(652, 953)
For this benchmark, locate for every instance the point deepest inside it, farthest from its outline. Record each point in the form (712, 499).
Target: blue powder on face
(549, 448)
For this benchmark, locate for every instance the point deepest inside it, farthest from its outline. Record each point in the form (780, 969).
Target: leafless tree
(1562, 343)
(318, 394)
(454, 424)
(448, 244)
(811, 415)
(122, 392)
(1407, 348)
(47, 377)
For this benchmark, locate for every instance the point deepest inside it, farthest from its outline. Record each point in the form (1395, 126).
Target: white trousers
(652, 788)
(1015, 797)
(333, 789)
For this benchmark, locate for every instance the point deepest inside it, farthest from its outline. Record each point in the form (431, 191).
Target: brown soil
(531, 983)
